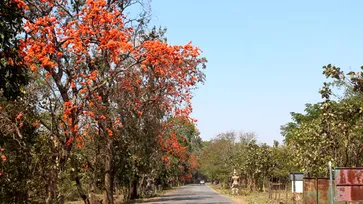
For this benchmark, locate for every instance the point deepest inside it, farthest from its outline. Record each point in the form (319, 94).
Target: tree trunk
(109, 172)
(92, 196)
(75, 177)
(81, 192)
(142, 187)
(134, 193)
(51, 189)
(249, 187)
(52, 185)
(91, 193)
(254, 183)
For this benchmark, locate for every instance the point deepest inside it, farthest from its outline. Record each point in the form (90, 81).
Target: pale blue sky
(265, 57)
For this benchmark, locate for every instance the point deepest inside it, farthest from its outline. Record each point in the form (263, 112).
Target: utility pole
(331, 184)
(294, 188)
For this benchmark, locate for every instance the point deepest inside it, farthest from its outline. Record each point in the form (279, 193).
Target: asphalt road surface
(192, 194)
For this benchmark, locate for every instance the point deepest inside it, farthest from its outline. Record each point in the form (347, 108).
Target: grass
(255, 197)
(245, 197)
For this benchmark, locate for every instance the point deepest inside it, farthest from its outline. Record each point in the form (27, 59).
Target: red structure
(349, 184)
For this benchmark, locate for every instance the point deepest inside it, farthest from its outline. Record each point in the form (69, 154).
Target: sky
(265, 57)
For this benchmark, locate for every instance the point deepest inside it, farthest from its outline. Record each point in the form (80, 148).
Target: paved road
(192, 194)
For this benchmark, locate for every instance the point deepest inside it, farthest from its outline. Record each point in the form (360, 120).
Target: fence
(347, 187)
(280, 192)
(316, 191)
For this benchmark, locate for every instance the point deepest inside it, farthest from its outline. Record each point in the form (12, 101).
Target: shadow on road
(190, 194)
(171, 198)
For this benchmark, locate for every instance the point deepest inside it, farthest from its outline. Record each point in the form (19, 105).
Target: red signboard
(349, 193)
(349, 184)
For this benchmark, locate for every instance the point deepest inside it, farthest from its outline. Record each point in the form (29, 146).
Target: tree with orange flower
(81, 54)
(98, 83)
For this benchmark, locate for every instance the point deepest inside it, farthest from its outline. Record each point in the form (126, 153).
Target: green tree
(217, 157)
(330, 130)
(13, 74)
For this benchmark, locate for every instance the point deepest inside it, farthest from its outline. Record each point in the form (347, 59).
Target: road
(195, 194)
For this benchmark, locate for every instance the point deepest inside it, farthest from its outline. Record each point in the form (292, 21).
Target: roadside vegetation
(330, 130)
(244, 196)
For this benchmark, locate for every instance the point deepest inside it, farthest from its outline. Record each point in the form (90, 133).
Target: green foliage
(217, 157)
(255, 163)
(15, 182)
(18, 169)
(330, 130)
(13, 75)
